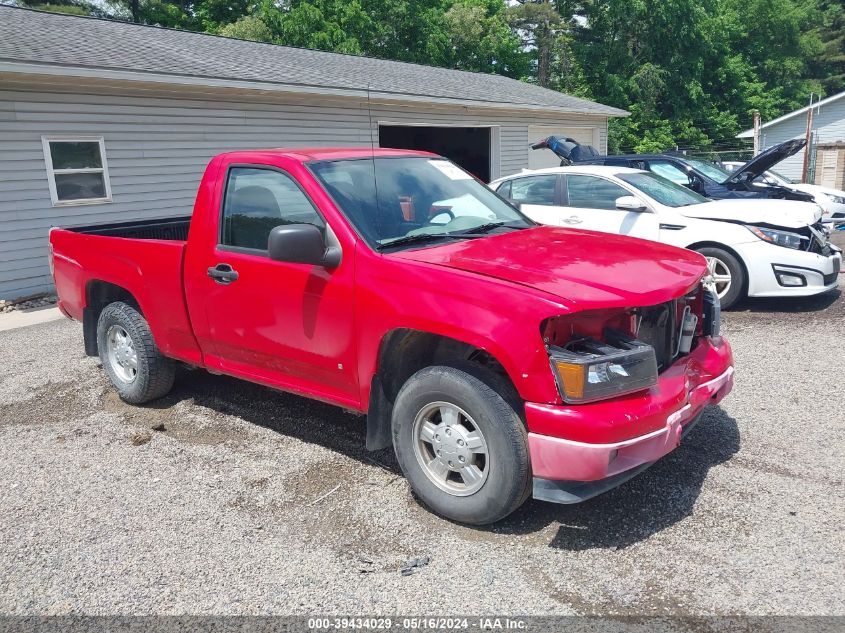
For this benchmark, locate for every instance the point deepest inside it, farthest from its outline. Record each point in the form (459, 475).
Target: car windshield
(404, 201)
(777, 178)
(663, 190)
(711, 170)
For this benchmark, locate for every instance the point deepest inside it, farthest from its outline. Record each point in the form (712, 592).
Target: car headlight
(588, 370)
(836, 199)
(781, 238)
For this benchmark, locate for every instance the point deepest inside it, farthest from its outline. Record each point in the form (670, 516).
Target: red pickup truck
(498, 357)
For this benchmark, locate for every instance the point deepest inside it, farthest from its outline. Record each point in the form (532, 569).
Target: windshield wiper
(476, 231)
(485, 228)
(419, 237)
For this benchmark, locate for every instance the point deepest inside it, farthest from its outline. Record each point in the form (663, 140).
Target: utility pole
(756, 116)
(805, 170)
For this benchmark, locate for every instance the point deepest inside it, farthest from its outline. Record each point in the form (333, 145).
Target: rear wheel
(728, 274)
(461, 445)
(129, 355)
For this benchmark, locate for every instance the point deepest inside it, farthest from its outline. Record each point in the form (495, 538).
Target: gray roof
(72, 42)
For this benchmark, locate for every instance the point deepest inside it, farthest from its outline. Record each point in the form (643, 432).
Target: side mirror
(302, 244)
(516, 203)
(631, 203)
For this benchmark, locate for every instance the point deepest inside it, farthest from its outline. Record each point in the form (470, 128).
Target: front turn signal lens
(571, 379)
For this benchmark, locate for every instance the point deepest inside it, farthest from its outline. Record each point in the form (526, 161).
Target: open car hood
(765, 160)
(584, 269)
(790, 214)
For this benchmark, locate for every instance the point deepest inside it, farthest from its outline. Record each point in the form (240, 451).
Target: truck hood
(765, 160)
(584, 269)
(785, 213)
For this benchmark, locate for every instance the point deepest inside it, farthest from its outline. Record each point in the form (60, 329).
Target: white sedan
(832, 201)
(754, 247)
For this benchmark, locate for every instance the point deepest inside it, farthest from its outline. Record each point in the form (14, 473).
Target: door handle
(223, 274)
(573, 219)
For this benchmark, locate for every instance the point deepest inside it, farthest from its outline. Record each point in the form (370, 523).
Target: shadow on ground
(653, 501)
(650, 502)
(815, 303)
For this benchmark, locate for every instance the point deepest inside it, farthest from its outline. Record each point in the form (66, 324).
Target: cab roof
(309, 154)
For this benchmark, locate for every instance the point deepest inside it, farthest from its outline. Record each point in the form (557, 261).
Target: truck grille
(658, 326)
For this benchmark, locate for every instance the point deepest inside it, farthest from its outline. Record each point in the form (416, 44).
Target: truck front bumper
(574, 470)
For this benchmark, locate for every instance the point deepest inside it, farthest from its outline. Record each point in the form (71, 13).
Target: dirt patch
(175, 420)
(50, 403)
(761, 466)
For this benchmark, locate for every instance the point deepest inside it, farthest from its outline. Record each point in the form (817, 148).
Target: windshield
(711, 170)
(413, 199)
(776, 178)
(662, 189)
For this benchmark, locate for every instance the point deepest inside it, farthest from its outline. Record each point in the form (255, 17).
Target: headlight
(836, 199)
(781, 238)
(589, 370)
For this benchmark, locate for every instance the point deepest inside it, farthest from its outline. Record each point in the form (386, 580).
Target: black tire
(739, 280)
(155, 373)
(488, 400)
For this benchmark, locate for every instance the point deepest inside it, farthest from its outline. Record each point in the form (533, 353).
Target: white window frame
(51, 173)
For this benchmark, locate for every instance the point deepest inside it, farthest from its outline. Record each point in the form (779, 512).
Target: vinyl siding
(829, 127)
(158, 143)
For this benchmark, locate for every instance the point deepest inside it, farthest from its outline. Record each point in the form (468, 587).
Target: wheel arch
(99, 294)
(404, 351)
(711, 244)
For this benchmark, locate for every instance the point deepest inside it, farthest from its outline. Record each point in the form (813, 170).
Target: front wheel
(461, 445)
(130, 357)
(728, 274)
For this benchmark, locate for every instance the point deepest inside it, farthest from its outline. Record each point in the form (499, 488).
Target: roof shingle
(37, 37)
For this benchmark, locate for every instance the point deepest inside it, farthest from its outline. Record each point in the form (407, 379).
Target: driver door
(280, 323)
(592, 205)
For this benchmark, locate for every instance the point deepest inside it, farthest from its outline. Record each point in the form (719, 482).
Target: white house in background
(829, 129)
(104, 121)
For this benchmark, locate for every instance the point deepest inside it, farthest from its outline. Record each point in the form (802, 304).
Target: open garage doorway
(469, 147)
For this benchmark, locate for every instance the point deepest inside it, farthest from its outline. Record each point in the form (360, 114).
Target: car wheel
(461, 444)
(129, 355)
(728, 275)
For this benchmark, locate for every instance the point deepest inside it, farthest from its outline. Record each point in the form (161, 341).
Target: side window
(257, 201)
(534, 190)
(590, 192)
(668, 170)
(504, 189)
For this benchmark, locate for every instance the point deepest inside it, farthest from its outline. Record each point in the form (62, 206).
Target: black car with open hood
(704, 177)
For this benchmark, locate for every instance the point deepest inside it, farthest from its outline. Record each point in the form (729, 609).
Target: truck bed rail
(175, 229)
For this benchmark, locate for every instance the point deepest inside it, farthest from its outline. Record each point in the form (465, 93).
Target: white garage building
(103, 121)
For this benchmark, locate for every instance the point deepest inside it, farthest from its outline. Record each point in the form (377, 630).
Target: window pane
(589, 192)
(80, 186)
(505, 189)
(72, 155)
(534, 190)
(667, 170)
(257, 201)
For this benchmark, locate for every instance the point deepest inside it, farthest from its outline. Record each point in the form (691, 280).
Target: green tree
(249, 27)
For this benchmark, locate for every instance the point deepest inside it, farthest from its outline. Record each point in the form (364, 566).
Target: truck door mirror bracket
(302, 244)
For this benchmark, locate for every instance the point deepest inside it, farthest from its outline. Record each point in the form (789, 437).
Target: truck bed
(174, 229)
(144, 258)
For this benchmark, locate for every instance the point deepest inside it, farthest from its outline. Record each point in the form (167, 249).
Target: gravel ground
(226, 497)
